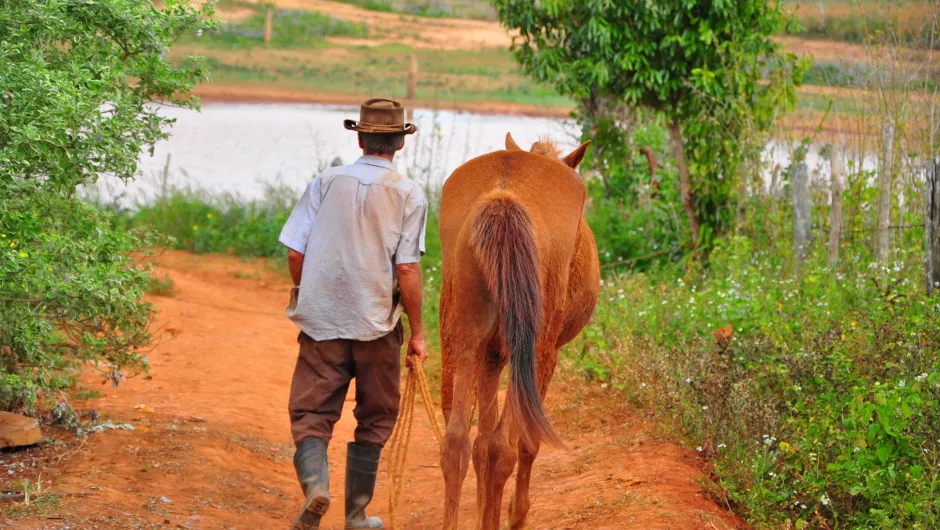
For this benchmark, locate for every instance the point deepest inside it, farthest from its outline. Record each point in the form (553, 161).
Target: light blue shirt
(354, 224)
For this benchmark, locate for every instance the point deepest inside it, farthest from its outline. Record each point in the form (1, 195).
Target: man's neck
(390, 158)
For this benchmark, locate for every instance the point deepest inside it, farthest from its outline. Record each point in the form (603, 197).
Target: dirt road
(211, 445)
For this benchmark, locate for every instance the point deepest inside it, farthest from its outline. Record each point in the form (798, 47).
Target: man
(355, 241)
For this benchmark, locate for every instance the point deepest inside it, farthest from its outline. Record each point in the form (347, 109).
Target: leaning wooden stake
(268, 21)
(837, 172)
(885, 178)
(802, 212)
(932, 227)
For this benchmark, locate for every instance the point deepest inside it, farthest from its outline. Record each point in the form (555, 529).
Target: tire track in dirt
(213, 440)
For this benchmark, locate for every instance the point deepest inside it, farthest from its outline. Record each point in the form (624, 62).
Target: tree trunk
(837, 172)
(685, 187)
(885, 178)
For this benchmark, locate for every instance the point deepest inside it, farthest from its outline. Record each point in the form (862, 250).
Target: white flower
(699, 448)
(688, 379)
(705, 407)
(802, 506)
(824, 499)
(902, 383)
(920, 377)
(722, 446)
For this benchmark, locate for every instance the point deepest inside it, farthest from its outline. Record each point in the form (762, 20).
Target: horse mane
(546, 147)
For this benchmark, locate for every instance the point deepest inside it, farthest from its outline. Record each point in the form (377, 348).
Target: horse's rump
(505, 247)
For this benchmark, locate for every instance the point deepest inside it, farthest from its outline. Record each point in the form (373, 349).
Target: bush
(77, 80)
(819, 405)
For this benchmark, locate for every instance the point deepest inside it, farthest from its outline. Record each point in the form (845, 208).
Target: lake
(240, 149)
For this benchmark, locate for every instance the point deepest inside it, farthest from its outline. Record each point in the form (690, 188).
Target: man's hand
(409, 282)
(416, 349)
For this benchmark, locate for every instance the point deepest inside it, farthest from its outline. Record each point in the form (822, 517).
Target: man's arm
(295, 262)
(411, 287)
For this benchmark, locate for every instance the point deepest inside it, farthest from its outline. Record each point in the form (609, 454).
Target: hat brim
(353, 125)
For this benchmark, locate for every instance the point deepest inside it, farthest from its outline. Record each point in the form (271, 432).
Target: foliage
(703, 65)
(70, 292)
(819, 403)
(290, 28)
(77, 79)
(632, 213)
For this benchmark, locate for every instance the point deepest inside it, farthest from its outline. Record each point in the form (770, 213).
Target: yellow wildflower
(195, 227)
(208, 216)
(24, 255)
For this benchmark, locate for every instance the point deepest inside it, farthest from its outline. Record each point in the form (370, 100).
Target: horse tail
(505, 245)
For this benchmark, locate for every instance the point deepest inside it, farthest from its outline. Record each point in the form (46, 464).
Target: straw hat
(381, 116)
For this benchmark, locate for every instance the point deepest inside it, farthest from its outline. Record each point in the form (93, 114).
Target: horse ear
(576, 156)
(511, 144)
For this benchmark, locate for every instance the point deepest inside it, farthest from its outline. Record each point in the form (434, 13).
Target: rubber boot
(362, 464)
(314, 476)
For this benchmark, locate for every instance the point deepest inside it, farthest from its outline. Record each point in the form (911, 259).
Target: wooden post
(837, 172)
(932, 227)
(411, 91)
(412, 77)
(885, 178)
(802, 212)
(268, 21)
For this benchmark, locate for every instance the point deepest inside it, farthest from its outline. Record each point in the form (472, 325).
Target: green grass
(88, 393)
(490, 75)
(291, 29)
(907, 22)
(478, 9)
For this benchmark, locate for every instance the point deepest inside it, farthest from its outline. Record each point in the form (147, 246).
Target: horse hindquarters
(505, 246)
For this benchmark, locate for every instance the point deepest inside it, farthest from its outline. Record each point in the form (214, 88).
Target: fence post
(802, 212)
(268, 21)
(837, 172)
(411, 91)
(885, 177)
(932, 227)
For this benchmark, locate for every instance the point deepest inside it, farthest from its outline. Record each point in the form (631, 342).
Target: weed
(161, 286)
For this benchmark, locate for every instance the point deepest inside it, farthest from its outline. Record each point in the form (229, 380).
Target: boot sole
(310, 514)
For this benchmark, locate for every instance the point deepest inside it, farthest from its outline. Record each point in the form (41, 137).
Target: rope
(401, 434)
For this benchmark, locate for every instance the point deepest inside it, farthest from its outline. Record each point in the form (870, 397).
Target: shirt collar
(376, 161)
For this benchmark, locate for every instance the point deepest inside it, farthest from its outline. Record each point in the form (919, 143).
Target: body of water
(240, 149)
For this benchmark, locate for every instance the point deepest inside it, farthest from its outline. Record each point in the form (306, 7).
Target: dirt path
(211, 448)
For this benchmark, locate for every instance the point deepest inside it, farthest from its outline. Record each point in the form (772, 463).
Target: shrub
(77, 80)
(819, 405)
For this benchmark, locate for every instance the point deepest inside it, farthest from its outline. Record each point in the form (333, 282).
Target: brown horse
(520, 280)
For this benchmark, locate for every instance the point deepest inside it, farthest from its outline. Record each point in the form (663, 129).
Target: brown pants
(321, 379)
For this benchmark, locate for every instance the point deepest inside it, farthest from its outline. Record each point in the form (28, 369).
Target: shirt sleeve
(411, 244)
(297, 229)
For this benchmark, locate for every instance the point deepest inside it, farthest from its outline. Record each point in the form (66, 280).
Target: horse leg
(519, 505)
(500, 461)
(455, 452)
(487, 403)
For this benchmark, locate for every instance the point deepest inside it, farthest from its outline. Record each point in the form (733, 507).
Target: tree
(709, 67)
(78, 83)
